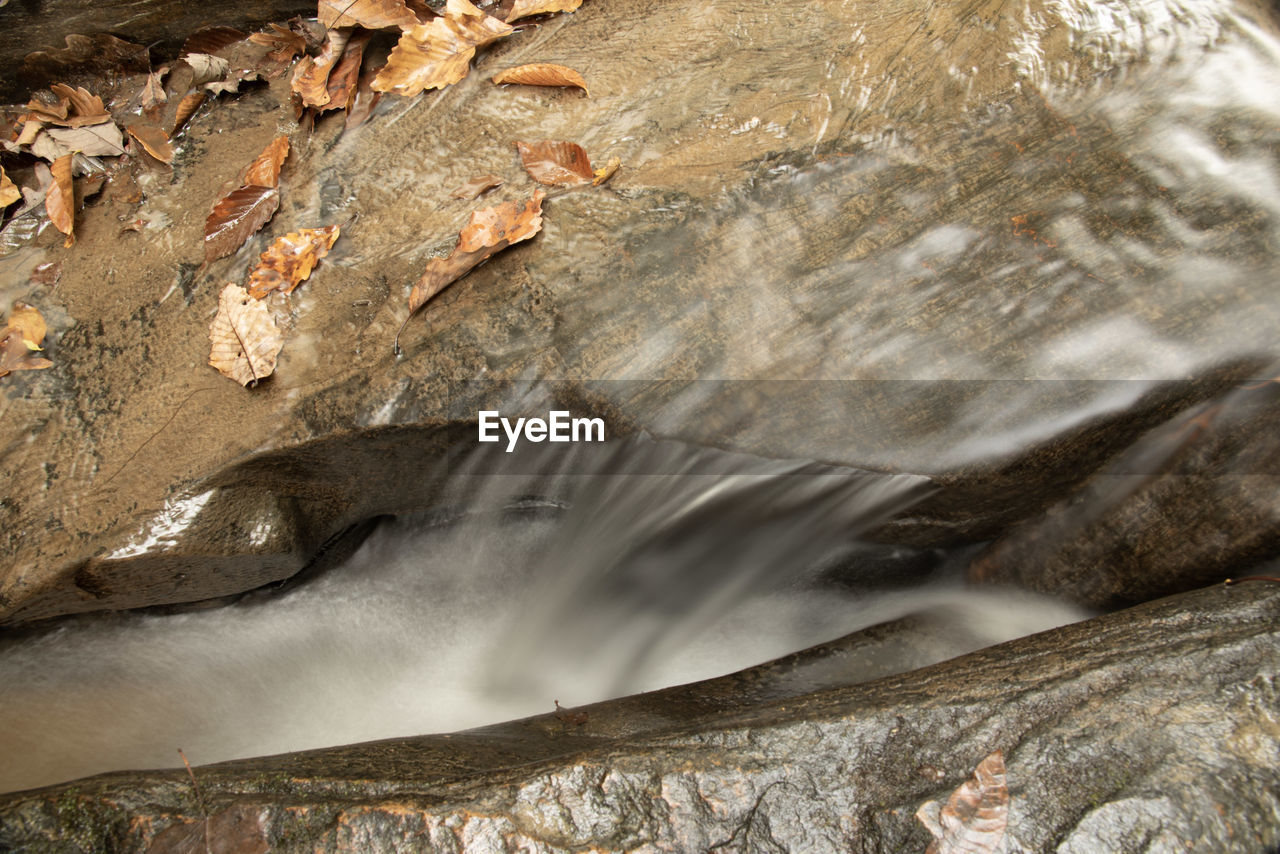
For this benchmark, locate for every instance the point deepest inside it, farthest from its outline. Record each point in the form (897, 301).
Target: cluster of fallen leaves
(68, 132)
(68, 141)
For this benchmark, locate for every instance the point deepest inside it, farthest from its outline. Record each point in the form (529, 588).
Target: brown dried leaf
(285, 44)
(153, 139)
(236, 217)
(212, 39)
(246, 62)
(264, 171)
(290, 260)
(364, 100)
(975, 816)
(47, 273)
(61, 199)
(541, 74)
(9, 192)
(186, 109)
(438, 53)
(525, 8)
(245, 339)
(555, 162)
(43, 108)
(372, 14)
(311, 76)
(85, 107)
(153, 97)
(477, 186)
(574, 717)
(97, 140)
(345, 76)
(488, 232)
(14, 355)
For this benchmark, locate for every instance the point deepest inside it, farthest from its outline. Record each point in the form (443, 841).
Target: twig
(199, 800)
(132, 456)
(1231, 582)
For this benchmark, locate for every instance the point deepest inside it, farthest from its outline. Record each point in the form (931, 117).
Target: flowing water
(629, 568)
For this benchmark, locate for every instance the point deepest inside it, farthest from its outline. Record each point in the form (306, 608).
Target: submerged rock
(1148, 729)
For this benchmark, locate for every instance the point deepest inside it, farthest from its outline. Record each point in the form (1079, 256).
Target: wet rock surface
(1189, 501)
(999, 277)
(1147, 729)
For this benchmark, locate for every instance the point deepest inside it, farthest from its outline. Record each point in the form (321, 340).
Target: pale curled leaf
(371, 14)
(290, 260)
(23, 334)
(60, 202)
(605, 172)
(206, 68)
(477, 186)
(541, 74)
(245, 340)
(9, 192)
(15, 355)
(30, 130)
(525, 8)
(974, 818)
(556, 162)
(30, 324)
(101, 140)
(438, 53)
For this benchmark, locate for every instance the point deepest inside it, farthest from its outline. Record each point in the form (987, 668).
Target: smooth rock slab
(1152, 729)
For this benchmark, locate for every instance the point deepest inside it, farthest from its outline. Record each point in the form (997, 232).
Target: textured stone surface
(997, 265)
(1145, 730)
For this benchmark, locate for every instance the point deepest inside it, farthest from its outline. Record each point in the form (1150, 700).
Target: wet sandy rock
(989, 265)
